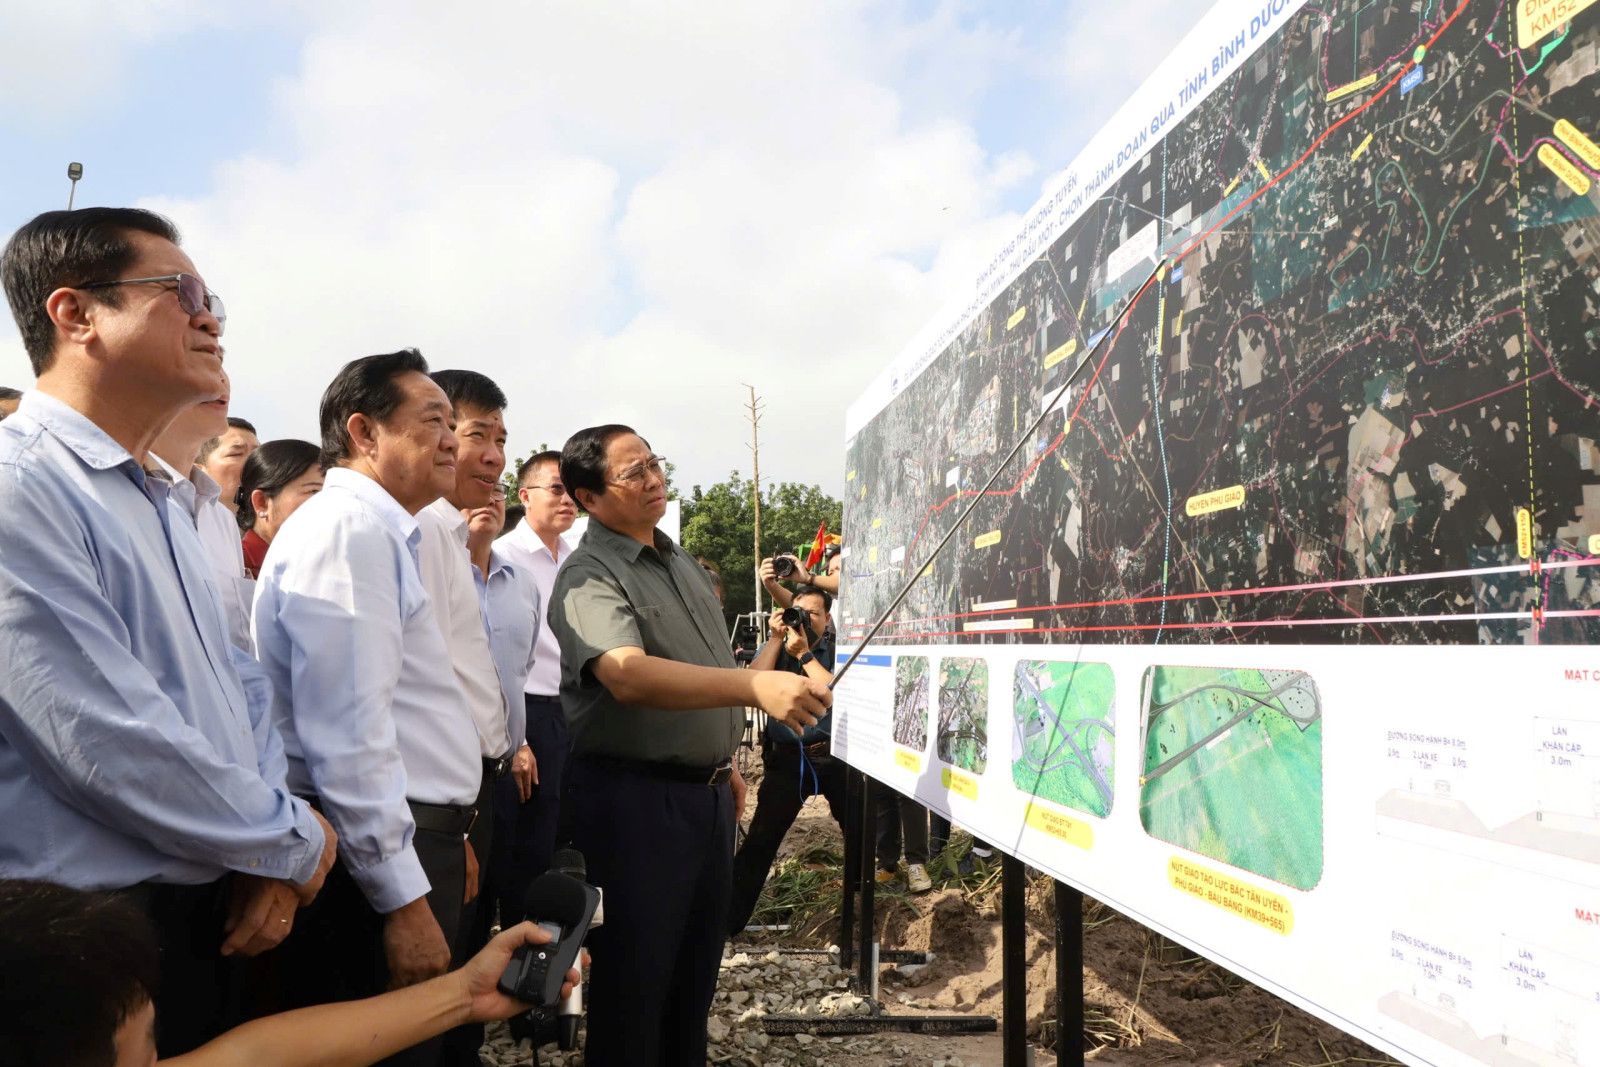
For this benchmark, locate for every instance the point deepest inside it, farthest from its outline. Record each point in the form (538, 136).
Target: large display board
(1279, 635)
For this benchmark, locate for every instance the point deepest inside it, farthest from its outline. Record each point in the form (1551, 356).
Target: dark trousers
(785, 785)
(526, 835)
(460, 1046)
(198, 996)
(896, 811)
(662, 853)
(336, 950)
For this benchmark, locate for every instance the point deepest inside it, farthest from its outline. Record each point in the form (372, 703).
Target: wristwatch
(806, 657)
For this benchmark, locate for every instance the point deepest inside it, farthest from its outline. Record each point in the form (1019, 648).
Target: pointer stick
(1026, 434)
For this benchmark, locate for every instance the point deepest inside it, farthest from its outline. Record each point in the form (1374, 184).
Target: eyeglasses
(554, 488)
(192, 293)
(636, 474)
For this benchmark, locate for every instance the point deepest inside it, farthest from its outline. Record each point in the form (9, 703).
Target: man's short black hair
(212, 444)
(583, 457)
(468, 388)
(8, 393)
(73, 967)
(532, 464)
(67, 249)
(363, 386)
(811, 590)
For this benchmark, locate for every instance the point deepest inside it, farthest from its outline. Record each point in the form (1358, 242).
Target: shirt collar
(529, 538)
(625, 546)
(499, 564)
(453, 520)
(374, 496)
(72, 428)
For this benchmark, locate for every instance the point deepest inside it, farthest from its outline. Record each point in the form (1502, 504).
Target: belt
(667, 772)
(819, 749)
(495, 769)
(434, 818)
(453, 819)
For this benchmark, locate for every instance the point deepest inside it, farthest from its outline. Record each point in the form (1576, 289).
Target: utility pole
(755, 407)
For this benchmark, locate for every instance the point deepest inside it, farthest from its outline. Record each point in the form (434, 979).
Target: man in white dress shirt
(174, 455)
(375, 732)
(459, 585)
(536, 547)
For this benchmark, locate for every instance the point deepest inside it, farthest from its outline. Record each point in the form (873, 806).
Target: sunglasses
(193, 296)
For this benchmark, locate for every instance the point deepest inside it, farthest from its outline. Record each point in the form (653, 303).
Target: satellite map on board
(1357, 404)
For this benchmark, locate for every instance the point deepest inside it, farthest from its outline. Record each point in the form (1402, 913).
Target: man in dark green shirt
(655, 706)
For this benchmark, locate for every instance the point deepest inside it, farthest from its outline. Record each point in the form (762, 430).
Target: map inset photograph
(964, 713)
(1062, 742)
(911, 702)
(1233, 768)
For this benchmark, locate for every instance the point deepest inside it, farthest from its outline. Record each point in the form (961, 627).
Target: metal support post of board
(1013, 963)
(1069, 976)
(868, 826)
(852, 871)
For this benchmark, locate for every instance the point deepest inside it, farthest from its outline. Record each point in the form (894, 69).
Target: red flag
(817, 547)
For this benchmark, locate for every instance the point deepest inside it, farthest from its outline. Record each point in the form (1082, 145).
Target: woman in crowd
(278, 477)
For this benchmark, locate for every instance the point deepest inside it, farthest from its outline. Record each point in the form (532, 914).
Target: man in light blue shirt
(374, 725)
(131, 755)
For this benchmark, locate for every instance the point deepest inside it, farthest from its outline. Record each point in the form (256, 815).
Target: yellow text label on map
(1233, 185)
(959, 784)
(1059, 354)
(908, 760)
(1216, 500)
(1537, 19)
(1524, 533)
(1361, 148)
(1353, 87)
(1263, 907)
(1016, 317)
(1594, 544)
(988, 540)
(1564, 168)
(1058, 824)
(876, 523)
(872, 554)
(1580, 144)
(850, 477)
(1266, 175)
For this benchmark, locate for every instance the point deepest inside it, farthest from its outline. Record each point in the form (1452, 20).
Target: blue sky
(620, 211)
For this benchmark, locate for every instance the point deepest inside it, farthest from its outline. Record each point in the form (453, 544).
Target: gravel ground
(755, 984)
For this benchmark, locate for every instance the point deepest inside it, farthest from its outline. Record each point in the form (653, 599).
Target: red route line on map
(1491, 616)
(1193, 245)
(1265, 590)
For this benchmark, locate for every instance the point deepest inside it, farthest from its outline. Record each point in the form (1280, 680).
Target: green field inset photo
(911, 702)
(964, 713)
(1062, 744)
(1233, 768)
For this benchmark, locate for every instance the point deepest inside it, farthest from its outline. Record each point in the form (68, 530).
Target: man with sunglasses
(656, 707)
(132, 756)
(529, 806)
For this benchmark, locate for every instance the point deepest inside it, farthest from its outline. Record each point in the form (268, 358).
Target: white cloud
(621, 210)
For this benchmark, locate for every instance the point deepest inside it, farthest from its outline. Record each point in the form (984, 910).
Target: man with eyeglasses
(530, 813)
(656, 707)
(132, 755)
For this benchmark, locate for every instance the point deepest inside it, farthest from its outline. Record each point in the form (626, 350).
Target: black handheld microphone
(569, 862)
(562, 906)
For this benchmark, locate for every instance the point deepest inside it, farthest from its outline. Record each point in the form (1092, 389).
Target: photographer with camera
(794, 767)
(775, 570)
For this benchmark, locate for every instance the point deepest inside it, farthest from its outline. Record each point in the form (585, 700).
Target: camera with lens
(796, 619)
(784, 566)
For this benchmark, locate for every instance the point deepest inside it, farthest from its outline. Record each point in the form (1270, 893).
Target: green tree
(719, 524)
